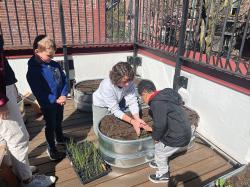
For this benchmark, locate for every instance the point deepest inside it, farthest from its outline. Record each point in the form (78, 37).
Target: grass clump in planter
(86, 160)
(240, 179)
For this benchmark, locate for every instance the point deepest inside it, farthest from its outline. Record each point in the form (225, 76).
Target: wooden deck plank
(139, 175)
(204, 179)
(190, 168)
(2, 152)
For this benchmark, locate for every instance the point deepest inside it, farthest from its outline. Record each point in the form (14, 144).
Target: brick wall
(22, 21)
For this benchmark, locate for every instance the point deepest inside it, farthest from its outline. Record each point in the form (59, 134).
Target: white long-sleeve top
(108, 95)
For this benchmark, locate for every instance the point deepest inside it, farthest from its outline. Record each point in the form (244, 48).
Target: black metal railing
(87, 22)
(217, 33)
(213, 33)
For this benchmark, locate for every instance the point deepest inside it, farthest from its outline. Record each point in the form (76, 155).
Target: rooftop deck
(196, 167)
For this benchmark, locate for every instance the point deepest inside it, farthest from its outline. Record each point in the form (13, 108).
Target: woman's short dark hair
(120, 70)
(146, 86)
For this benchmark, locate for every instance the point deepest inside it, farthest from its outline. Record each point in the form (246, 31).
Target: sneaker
(153, 164)
(155, 178)
(40, 181)
(62, 141)
(33, 169)
(55, 155)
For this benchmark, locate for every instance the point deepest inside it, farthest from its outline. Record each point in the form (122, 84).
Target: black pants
(53, 116)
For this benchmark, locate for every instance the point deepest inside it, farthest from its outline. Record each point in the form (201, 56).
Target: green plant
(221, 183)
(86, 159)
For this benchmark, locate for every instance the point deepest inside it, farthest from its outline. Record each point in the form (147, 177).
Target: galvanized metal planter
(130, 153)
(126, 153)
(83, 100)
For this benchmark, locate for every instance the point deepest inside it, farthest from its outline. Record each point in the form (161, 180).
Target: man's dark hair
(146, 86)
(38, 39)
(120, 70)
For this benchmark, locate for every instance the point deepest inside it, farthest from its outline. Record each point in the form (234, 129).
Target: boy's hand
(61, 100)
(144, 125)
(147, 128)
(4, 112)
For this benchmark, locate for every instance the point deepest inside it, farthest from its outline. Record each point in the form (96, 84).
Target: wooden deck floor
(196, 167)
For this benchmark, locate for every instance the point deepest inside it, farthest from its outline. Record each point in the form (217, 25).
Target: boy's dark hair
(120, 70)
(38, 39)
(146, 86)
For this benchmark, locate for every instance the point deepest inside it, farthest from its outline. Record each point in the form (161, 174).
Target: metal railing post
(64, 43)
(136, 28)
(181, 48)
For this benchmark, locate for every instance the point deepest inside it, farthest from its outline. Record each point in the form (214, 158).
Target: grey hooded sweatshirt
(171, 124)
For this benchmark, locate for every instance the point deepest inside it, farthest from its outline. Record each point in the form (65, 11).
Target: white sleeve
(108, 95)
(131, 99)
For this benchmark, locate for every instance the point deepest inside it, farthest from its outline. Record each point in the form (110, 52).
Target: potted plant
(86, 160)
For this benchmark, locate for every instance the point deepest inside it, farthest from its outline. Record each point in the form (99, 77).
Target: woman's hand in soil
(136, 124)
(140, 121)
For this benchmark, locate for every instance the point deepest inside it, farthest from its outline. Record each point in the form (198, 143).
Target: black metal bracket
(182, 82)
(135, 61)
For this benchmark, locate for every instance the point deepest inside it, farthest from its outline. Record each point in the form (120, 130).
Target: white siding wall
(96, 65)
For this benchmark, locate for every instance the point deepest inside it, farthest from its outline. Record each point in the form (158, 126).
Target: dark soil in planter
(118, 129)
(241, 179)
(86, 161)
(88, 86)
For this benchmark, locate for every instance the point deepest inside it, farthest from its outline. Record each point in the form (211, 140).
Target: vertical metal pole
(135, 34)
(9, 24)
(26, 20)
(44, 24)
(79, 22)
(86, 22)
(66, 62)
(71, 23)
(18, 25)
(136, 28)
(52, 20)
(181, 49)
(34, 13)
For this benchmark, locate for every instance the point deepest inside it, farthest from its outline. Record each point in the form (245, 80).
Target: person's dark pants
(53, 116)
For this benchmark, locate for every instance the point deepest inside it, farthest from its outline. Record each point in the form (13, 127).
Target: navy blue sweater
(47, 81)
